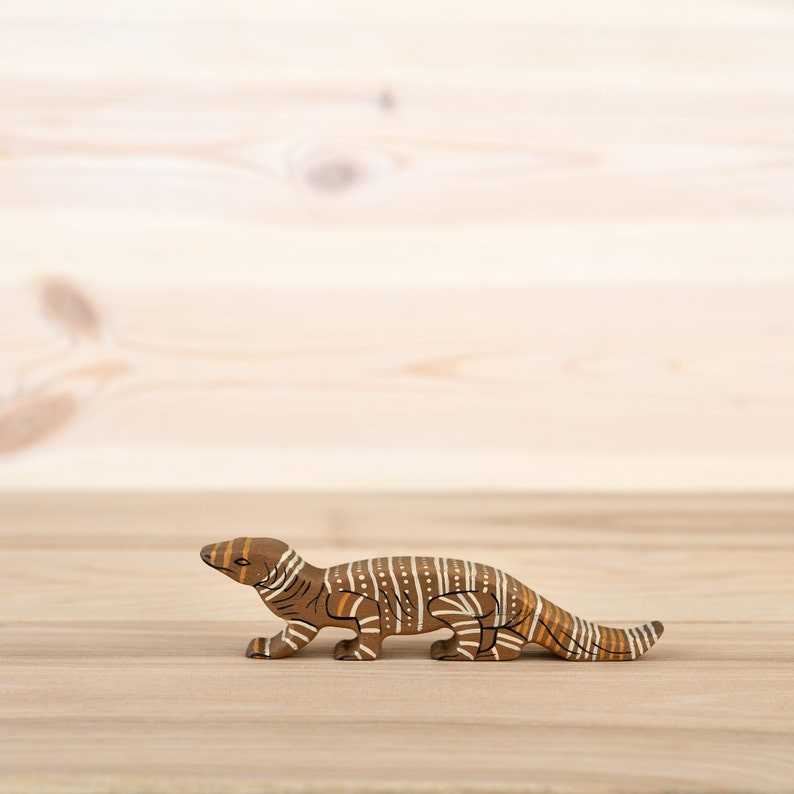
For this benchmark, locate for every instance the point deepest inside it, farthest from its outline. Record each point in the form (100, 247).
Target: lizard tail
(582, 641)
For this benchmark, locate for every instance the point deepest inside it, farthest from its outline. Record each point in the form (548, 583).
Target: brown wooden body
(492, 614)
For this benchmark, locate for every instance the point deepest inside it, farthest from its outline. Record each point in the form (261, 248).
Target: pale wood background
(433, 245)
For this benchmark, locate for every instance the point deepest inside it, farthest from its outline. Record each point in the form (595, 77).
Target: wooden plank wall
(396, 246)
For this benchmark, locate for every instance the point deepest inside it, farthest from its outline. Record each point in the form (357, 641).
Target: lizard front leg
(295, 635)
(365, 611)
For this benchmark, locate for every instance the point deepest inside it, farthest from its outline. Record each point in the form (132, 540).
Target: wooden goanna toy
(492, 615)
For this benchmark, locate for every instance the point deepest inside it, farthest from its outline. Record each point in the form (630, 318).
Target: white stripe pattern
(375, 592)
(397, 606)
(419, 600)
(535, 616)
(289, 576)
(631, 644)
(571, 645)
(274, 572)
(472, 604)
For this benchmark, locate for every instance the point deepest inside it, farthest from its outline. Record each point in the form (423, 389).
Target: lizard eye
(241, 561)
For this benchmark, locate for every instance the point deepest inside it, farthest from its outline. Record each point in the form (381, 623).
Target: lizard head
(246, 560)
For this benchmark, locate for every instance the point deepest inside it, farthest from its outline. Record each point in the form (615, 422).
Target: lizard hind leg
(500, 645)
(463, 612)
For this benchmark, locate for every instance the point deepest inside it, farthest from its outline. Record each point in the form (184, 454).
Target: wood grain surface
(123, 662)
(415, 246)
(396, 265)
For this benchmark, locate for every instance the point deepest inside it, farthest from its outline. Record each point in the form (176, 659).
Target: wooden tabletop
(123, 665)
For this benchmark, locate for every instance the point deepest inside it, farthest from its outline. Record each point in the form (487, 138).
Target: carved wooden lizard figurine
(492, 615)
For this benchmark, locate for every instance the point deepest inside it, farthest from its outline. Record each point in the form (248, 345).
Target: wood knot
(386, 101)
(29, 420)
(69, 307)
(337, 167)
(333, 175)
